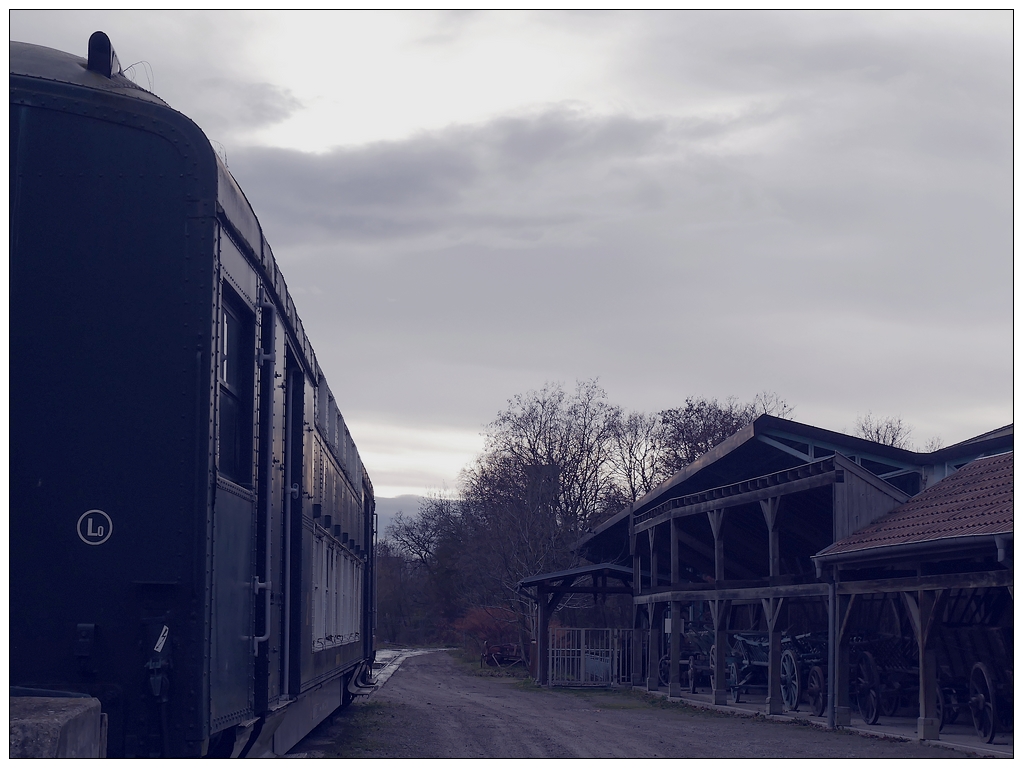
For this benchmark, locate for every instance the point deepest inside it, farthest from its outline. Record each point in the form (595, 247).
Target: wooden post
(634, 553)
(772, 611)
(673, 531)
(717, 517)
(845, 605)
(832, 644)
(770, 510)
(638, 613)
(719, 614)
(654, 656)
(637, 645)
(652, 539)
(674, 682)
(543, 640)
(929, 605)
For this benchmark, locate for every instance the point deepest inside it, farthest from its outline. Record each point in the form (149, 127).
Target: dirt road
(435, 707)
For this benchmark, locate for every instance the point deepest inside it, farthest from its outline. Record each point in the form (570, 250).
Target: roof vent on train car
(102, 59)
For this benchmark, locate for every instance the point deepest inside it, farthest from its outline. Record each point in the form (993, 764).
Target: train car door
(232, 618)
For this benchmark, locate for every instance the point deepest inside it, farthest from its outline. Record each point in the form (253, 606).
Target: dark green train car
(191, 527)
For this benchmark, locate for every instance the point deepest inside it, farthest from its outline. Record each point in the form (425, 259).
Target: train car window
(322, 394)
(237, 358)
(341, 441)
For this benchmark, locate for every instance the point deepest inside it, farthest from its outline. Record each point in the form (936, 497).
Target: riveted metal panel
(231, 659)
(110, 315)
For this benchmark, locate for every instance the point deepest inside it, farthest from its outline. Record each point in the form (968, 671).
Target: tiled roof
(975, 501)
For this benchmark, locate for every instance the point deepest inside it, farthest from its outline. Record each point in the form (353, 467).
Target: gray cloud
(482, 260)
(823, 207)
(465, 181)
(222, 106)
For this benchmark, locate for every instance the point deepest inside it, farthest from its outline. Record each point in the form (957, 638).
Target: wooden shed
(944, 560)
(741, 543)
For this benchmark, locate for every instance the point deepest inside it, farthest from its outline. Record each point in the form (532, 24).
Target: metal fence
(590, 657)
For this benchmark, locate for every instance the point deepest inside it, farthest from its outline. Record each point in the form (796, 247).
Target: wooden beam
(637, 572)
(769, 507)
(749, 594)
(913, 609)
(940, 596)
(674, 683)
(719, 610)
(717, 519)
(772, 610)
(654, 565)
(875, 586)
(845, 619)
(738, 499)
(927, 723)
(977, 580)
(673, 532)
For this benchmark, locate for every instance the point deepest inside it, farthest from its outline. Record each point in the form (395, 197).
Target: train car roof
(45, 63)
(37, 61)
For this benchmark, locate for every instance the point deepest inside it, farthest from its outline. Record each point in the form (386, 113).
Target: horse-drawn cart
(975, 672)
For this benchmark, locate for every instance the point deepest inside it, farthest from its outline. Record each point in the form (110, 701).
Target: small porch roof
(567, 582)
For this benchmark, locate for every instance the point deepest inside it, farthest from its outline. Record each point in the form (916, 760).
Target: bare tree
(699, 425)
(636, 455)
(886, 431)
(541, 481)
(433, 543)
(421, 537)
(554, 465)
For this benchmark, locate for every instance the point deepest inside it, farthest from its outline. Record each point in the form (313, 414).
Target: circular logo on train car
(95, 527)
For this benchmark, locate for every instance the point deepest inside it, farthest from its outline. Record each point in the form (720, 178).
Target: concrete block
(57, 727)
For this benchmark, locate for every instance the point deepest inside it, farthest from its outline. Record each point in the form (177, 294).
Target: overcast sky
(469, 205)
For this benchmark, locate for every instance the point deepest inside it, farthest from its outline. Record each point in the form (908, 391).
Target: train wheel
(982, 701)
(867, 687)
(817, 691)
(791, 690)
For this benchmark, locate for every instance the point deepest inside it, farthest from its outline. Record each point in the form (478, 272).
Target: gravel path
(435, 707)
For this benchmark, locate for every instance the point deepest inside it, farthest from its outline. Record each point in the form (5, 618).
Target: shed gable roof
(975, 501)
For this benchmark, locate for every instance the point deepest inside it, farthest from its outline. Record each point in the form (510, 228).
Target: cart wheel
(664, 670)
(940, 711)
(982, 701)
(692, 674)
(951, 707)
(867, 686)
(791, 690)
(817, 691)
(890, 700)
(733, 677)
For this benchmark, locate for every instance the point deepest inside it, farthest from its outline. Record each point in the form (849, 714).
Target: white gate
(590, 657)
